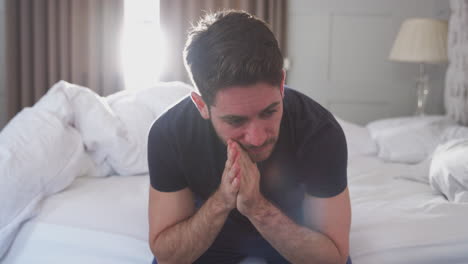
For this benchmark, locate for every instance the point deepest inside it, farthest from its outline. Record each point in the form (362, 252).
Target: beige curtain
(176, 16)
(50, 40)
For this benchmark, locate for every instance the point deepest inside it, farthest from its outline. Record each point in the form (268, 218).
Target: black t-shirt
(310, 156)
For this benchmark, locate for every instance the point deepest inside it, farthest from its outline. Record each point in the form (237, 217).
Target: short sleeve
(163, 159)
(324, 160)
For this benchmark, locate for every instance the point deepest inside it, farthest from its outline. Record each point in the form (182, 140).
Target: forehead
(243, 100)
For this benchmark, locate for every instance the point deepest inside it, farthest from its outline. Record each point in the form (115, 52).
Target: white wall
(3, 109)
(339, 49)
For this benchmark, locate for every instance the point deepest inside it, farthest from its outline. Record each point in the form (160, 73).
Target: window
(142, 49)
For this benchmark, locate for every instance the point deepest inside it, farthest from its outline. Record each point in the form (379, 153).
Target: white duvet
(71, 132)
(449, 170)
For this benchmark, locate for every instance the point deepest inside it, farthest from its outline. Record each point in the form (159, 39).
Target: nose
(255, 134)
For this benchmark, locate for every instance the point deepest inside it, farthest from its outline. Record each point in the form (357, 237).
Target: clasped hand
(240, 182)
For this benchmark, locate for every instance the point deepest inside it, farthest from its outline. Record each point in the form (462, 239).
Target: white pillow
(114, 129)
(408, 139)
(39, 156)
(449, 170)
(454, 132)
(157, 98)
(137, 110)
(358, 139)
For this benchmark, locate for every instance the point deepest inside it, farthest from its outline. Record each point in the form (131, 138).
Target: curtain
(176, 17)
(456, 79)
(50, 40)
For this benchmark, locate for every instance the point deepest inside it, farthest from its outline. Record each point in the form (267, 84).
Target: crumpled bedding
(399, 221)
(449, 170)
(70, 132)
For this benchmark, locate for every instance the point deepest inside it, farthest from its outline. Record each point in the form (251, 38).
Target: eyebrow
(236, 117)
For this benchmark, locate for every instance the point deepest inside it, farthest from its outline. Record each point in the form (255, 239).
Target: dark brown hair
(231, 48)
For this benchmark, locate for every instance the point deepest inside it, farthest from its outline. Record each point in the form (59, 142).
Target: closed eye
(268, 113)
(235, 122)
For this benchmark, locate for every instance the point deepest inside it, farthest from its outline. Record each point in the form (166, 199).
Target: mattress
(95, 220)
(396, 220)
(104, 220)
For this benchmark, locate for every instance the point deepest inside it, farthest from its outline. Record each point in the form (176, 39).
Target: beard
(256, 153)
(260, 153)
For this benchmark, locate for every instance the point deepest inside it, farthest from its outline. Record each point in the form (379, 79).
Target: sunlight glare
(142, 49)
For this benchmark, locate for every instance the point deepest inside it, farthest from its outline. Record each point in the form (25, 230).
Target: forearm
(189, 239)
(296, 243)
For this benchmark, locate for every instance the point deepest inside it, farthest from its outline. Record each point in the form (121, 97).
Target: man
(246, 167)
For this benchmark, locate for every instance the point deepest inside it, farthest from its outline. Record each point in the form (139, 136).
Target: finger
(231, 169)
(227, 167)
(236, 183)
(229, 149)
(234, 155)
(233, 172)
(241, 152)
(240, 157)
(229, 158)
(231, 155)
(234, 144)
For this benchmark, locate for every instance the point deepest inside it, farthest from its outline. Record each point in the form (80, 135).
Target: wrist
(219, 204)
(259, 210)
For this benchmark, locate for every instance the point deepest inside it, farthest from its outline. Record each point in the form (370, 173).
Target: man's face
(250, 115)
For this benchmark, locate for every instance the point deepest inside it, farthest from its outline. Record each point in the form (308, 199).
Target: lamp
(422, 41)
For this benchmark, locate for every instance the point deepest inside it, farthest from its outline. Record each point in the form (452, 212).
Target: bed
(100, 216)
(94, 209)
(83, 197)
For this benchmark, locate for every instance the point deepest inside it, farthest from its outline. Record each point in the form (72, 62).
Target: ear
(201, 105)
(282, 84)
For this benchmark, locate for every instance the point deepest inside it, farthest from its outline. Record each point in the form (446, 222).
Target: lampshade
(421, 40)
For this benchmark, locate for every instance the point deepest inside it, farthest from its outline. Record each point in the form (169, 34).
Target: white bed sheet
(52, 243)
(95, 220)
(395, 220)
(104, 220)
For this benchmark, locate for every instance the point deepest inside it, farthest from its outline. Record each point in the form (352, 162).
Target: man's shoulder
(303, 109)
(177, 121)
(306, 121)
(177, 111)
(319, 145)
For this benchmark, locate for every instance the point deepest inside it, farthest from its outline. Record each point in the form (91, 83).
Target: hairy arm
(178, 234)
(325, 239)
(187, 240)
